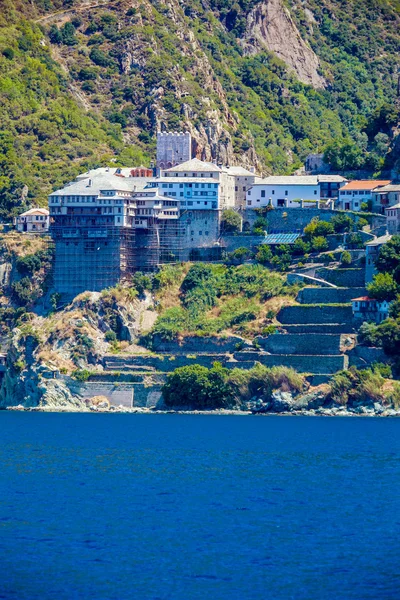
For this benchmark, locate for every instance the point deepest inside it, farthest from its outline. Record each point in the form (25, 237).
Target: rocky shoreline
(320, 412)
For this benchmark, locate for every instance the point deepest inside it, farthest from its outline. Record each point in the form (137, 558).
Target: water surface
(157, 507)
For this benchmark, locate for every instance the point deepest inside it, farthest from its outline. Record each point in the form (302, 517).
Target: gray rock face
(271, 27)
(281, 401)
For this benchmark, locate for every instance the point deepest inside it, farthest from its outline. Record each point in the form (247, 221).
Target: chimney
(90, 183)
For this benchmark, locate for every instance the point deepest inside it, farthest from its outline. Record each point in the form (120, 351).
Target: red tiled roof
(366, 184)
(363, 299)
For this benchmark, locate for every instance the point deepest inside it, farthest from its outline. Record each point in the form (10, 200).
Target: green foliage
(81, 375)
(264, 254)
(197, 387)
(319, 244)
(345, 258)
(110, 336)
(353, 385)
(200, 388)
(342, 223)
(383, 287)
(389, 258)
(239, 256)
(231, 221)
(385, 335)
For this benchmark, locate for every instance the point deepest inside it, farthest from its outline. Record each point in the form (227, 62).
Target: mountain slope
(86, 82)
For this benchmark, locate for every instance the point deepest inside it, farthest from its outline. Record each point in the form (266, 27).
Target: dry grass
(22, 244)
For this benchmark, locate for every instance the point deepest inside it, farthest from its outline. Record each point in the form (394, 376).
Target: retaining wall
(319, 328)
(363, 356)
(343, 277)
(233, 242)
(196, 345)
(315, 314)
(116, 393)
(312, 343)
(164, 364)
(329, 295)
(307, 364)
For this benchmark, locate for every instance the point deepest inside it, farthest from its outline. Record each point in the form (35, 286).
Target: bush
(383, 287)
(81, 375)
(197, 387)
(319, 244)
(99, 58)
(239, 256)
(345, 258)
(110, 336)
(8, 53)
(231, 221)
(342, 223)
(264, 254)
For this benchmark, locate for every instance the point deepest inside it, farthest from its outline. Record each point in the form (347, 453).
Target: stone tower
(173, 149)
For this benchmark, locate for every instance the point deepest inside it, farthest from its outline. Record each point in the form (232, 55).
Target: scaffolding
(92, 258)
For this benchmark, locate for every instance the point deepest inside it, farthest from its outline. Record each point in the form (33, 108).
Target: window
(181, 185)
(263, 193)
(244, 188)
(236, 188)
(315, 192)
(164, 185)
(286, 192)
(170, 185)
(248, 202)
(273, 192)
(258, 200)
(249, 193)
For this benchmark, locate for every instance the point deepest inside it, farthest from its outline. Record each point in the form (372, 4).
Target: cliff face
(271, 27)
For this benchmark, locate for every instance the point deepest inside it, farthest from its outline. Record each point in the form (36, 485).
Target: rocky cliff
(271, 27)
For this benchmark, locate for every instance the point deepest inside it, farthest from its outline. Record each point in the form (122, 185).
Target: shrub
(239, 256)
(383, 287)
(197, 387)
(81, 375)
(319, 244)
(342, 223)
(99, 58)
(110, 336)
(231, 221)
(8, 53)
(345, 258)
(264, 254)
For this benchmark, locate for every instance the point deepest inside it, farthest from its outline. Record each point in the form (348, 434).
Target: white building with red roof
(370, 309)
(354, 193)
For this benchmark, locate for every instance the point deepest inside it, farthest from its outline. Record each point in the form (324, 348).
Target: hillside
(83, 83)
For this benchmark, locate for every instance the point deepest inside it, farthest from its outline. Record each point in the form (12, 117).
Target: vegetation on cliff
(80, 84)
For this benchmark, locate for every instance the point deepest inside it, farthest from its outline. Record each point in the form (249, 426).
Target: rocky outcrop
(271, 27)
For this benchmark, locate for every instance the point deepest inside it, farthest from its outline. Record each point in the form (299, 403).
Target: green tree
(383, 287)
(197, 387)
(231, 221)
(264, 254)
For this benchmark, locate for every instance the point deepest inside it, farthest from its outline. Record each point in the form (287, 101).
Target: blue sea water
(182, 507)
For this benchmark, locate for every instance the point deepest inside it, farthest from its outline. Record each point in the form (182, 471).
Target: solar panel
(281, 238)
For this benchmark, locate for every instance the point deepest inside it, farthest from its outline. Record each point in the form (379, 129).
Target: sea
(208, 507)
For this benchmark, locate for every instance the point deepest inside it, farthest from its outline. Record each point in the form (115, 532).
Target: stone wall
(304, 314)
(295, 219)
(319, 328)
(312, 343)
(197, 345)
(363, 356)
(307, 364)
(117, 394)
(329, 295)
(343, 277)
(233, 242)
(165, 363)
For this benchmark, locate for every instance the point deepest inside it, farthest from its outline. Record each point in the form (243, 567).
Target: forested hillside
(83, 83)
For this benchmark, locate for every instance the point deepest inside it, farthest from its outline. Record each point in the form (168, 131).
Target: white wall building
(354, 193)
(35, 220)
(283, 191)
(199, 171)
(393, 219)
